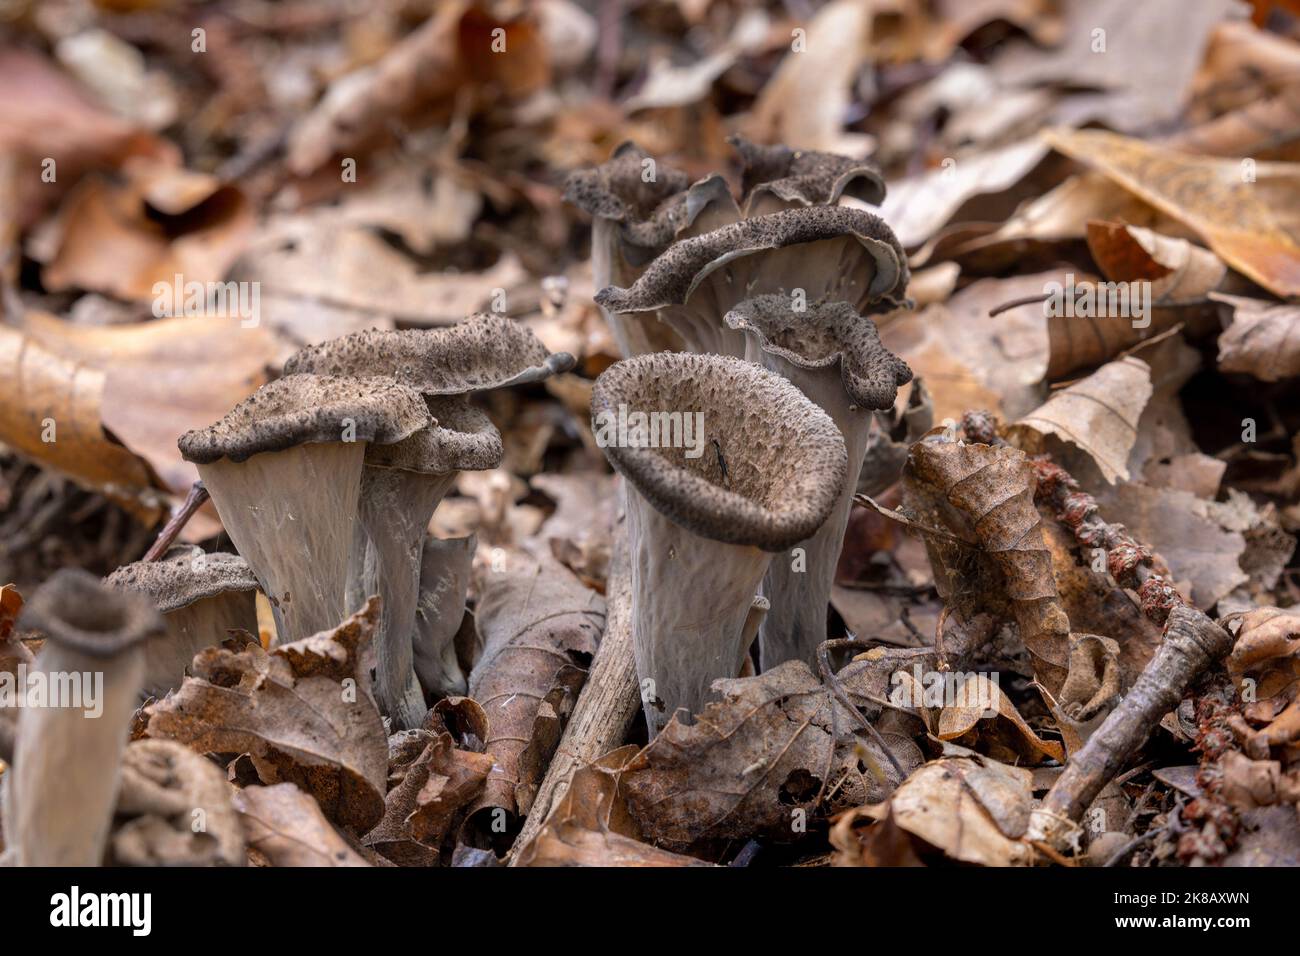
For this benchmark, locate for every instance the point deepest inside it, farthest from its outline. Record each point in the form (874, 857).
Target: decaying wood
(609, 702)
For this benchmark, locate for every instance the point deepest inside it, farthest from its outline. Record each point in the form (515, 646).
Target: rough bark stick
(1192, 642)
(608, 703)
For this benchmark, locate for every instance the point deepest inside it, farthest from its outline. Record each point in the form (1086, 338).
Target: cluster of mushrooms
(325, 480)
(758, 315)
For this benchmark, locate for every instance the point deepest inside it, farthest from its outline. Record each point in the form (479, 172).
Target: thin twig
(193, 502)
(831, 681)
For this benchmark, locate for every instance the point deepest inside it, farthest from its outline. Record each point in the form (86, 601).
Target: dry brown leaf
(303, 713)
(591, 825)
(1267, 652)
(1179, 271)
(983, 495)
(970, 810)
(998, 726)
(1234, 208)
(430, 791)
(540, 628)
(52, 410)
(44, 114)
(286, 827)
(1197, 549)
(162, 378)
(919, 206)
(160, 222)
(358, 280)
(804, 103)
(776, 750)
(1263, 340)
(1141, 58)
(1098, 414)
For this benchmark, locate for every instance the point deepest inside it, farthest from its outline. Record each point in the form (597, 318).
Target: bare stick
(193, 502)
(607, 705)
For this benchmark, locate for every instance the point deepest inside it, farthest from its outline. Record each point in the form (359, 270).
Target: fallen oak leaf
(776, 750)
(302, 713)
(433, 788)
(984, 493)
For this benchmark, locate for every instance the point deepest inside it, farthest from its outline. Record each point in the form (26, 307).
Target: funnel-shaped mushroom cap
(184, 576)
(74, 610)
(647, 198)
(821, 335)
(817, 253)
(309, 409)
(772, 462)
(461, 438)
(481, 353)
(805, 177)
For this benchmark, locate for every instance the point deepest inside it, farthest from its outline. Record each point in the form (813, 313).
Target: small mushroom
(401, 487)
(810, 254)
(284, 471)
(638, 207)
(835, 358)
(201, 597)
(61, 791)
(702, 528)
(444, 581)
(778, 177)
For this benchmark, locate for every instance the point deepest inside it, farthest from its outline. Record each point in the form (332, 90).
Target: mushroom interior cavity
(835, 358)
(59, 796)
(725, 463)
(201, 597)
(284, 471)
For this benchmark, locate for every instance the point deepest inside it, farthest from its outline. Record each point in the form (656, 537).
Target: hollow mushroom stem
(291, 515)
(396, 507)
(63, 787)
(691, 628)
(799, 581)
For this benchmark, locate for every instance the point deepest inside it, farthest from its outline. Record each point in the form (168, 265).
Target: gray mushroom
(778, 177)
(835, 358)
(401, 487)
(402, 484)
(60, 794)
(284, 471)
(444, 582)
(808, 254)
(201, 597)
(702, 530)
(638, 207)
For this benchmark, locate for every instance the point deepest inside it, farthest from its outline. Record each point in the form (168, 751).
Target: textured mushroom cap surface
(822, 334)
(74, 610)
(675, 275)
(303, 409)
(184, 576)
(806, 177)
(462, 438)
(483, 352)
(776, 469)
(617, 190)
